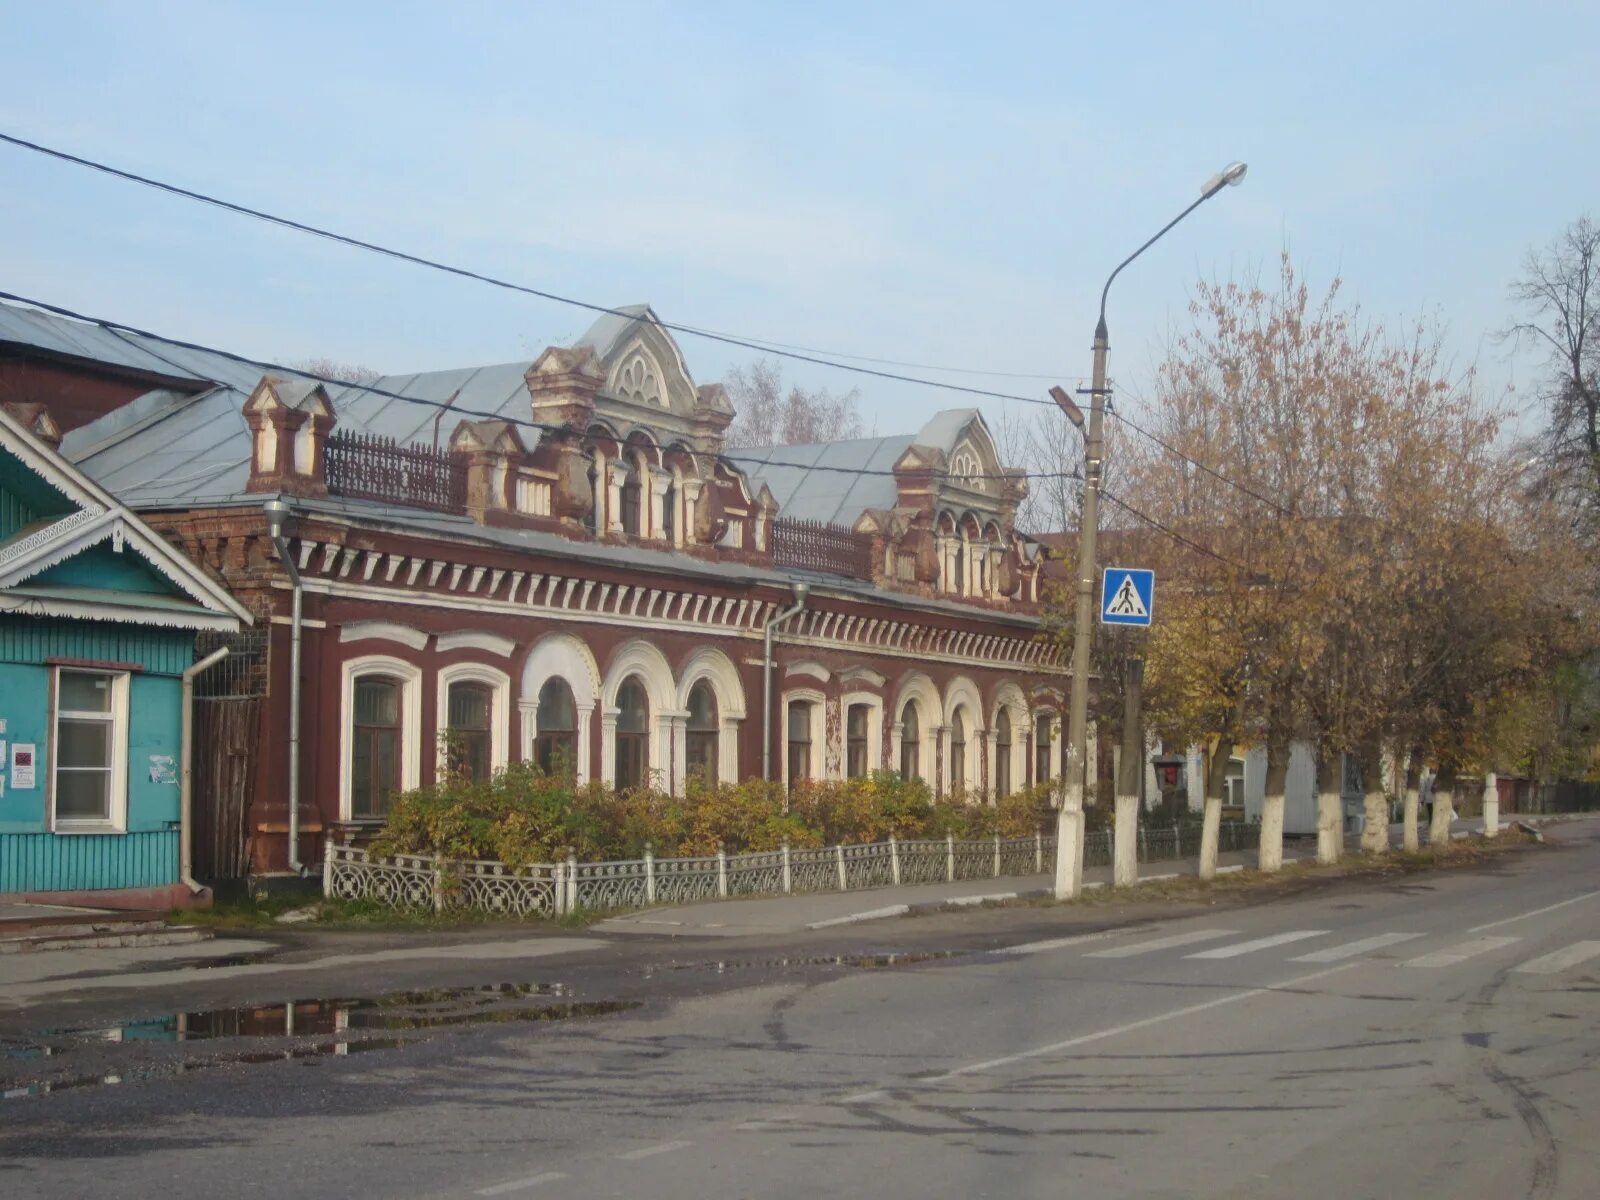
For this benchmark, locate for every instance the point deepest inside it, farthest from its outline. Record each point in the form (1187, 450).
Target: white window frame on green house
(115, 719)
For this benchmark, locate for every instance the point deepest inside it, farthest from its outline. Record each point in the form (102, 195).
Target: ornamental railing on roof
(818, 546)
(365, 466)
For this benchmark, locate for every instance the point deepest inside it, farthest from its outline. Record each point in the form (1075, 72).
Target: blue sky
(944, 184)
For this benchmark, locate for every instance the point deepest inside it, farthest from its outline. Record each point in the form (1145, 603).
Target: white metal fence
(553, 889)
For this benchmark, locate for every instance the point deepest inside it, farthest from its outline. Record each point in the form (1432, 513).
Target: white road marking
(1449, 956)
(1056, 943)
(652, 1151)
(1351, 949)
(1116, 1030)
(517, 1185)
(1266, 943)
(1166, 943)
(865, 1097)
(1560, 960)
(1534, 913)
(872, 914)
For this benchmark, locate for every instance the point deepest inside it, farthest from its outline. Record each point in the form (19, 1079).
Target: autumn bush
(522, 816)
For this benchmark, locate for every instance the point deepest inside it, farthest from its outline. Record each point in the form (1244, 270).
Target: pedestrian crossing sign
(1127, 595)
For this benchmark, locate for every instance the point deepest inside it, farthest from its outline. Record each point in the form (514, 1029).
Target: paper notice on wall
(163, 769)
(23, 756)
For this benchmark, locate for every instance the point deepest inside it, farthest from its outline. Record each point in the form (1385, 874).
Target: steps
(112, 931)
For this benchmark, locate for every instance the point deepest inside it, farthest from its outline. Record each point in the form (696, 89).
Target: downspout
(186, 782)
(800, 592)
(277, 510)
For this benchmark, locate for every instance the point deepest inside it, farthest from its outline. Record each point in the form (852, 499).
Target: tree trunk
(1125, 859)
(1211, 822)
(1330, 806)
(1270, 856)
(1411, 842)
(1374, 801)
(1491, 805)
(1443, 808)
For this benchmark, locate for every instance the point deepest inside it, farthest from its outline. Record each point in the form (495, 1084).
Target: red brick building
(559, 558)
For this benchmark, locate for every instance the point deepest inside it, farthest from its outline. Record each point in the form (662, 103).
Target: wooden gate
(227, 717)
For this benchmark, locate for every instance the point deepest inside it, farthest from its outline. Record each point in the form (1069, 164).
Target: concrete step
(119, 936)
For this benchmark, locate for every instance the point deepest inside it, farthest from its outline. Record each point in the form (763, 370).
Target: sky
(944, 185)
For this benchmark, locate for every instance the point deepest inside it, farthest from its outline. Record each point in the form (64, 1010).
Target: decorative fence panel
(551, 889)
(818, 546)
(369, 467)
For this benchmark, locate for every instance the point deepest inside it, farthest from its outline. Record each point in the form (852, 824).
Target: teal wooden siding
(157, 651)
(45, 862)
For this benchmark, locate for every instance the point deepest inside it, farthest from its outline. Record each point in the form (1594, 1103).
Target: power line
(800, 354)
(1169, 532)
(119, 329)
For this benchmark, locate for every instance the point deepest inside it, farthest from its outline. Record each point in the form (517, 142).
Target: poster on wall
(163, 769)
(22, 760)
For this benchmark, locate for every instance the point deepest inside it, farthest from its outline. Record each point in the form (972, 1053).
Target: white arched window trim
(562, 655)
(874, 703)
(819, 731)
(650, 665)
(715, 667)
(961, 695)
(1010, 699)
(499, 710)
(918, 687)
(410, 678)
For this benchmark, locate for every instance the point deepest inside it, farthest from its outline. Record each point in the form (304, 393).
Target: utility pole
(1069, 817)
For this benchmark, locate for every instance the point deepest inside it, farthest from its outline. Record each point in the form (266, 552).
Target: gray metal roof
(612, 327)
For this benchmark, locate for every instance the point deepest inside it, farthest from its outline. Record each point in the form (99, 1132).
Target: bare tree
(1560, 293)
(767, 415)
(329, 368)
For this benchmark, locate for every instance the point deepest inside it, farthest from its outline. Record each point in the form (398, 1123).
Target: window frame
(625, 737)
(409, 677)
(499, 684)
(711, 738)
(559, 739)
(116, 719)
(916, 746)
(816, 757)
(874, 741)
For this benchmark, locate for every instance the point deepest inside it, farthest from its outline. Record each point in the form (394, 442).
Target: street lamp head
(1229, 176)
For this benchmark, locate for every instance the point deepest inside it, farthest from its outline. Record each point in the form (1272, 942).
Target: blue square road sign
(1127, 596)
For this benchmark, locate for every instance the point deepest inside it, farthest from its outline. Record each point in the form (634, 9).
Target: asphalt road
(1427, 1035)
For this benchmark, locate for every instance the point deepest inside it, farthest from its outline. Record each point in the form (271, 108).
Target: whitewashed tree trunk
(1443, 810)
(1210, 829)
(1330, 808)
(1270, 855)
(1411, 842)
(1125, 845)
(1374, 803)
(1491, 805)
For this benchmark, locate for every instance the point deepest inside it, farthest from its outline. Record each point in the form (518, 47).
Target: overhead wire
(800, 354)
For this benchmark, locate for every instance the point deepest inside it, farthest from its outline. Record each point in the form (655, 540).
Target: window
(1002, 754)
(958, 752)
(375, 734)
(703, 732)
(910, 742)
(1041, 747)
(633, 735)
(555, 744)
(958, 559)
(91, 747)
(597, 484)
(631, 495)
(799, 741)
(468, 713)
(669, 506)
(856, 724)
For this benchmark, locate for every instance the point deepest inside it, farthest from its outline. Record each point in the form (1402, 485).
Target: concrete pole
(1491, 805)
(1125, 859)
(1330, 807)
(1270, 856)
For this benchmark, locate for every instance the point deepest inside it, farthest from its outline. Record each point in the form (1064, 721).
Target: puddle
(396, 1012)
(862, 961)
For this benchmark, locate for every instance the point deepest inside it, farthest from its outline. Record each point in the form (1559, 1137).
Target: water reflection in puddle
(864, 961)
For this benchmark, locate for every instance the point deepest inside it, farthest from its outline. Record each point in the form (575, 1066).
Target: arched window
(703, 732)
(1002, 754)
(632, 494)
(910, 742)
(799, 741)
(555, 745)
(468, 713)
(669, 510)
(856, 724)
(375, 758)
(958, 752)
(958, 560)
(633, 735)
(597, 486)
(1041, 747)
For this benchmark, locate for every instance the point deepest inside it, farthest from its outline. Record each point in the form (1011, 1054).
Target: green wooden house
(98, 623)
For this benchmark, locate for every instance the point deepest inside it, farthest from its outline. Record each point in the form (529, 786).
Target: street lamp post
(1069, 818)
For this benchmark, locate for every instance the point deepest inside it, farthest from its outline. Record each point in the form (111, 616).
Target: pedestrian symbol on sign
(1125, 596)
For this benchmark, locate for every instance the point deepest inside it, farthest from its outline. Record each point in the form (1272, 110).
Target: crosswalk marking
(1352, 949)
(1277, 939)
(1448, 956)
(1165, 943)
(1560, 960)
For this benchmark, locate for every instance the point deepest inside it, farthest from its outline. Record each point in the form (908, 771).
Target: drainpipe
(800, 592)
(186, 782)
(277, 510)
